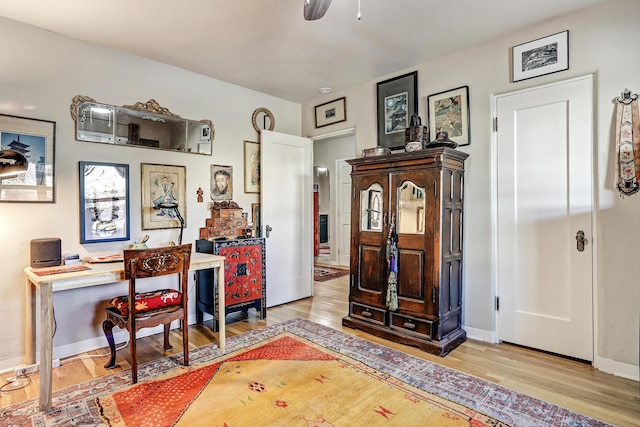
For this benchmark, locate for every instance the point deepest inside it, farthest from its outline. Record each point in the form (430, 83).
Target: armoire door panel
(371, 277)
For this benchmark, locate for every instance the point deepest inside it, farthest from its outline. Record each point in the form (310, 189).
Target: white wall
(40, 74)
(601, 41)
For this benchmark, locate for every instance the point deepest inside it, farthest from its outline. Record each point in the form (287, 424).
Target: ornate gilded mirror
(371, 205)
(145, 125)
(411, 205)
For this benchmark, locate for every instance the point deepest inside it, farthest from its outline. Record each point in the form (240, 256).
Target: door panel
(544, 182)
(287, 208)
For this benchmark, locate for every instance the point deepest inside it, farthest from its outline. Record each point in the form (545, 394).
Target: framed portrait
(27, 154)
(104, 202)
(539, 57)
(397, 102)
(331, 112)
(221, 182)
(448, 111)
(251, 167)
(162, 184)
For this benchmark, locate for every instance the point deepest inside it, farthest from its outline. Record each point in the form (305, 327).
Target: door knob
(581, 241)
(268, 229)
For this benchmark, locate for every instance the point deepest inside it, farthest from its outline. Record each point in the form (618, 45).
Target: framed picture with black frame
(27, 159)
(104, 202)
(448, 111)
(540, 57)
(331, 112)
(397, 102)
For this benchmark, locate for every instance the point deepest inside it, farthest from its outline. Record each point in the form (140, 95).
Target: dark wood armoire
(421, 194)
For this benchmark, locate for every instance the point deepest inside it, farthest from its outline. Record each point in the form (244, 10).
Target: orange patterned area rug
(294, 373)
(287, 381)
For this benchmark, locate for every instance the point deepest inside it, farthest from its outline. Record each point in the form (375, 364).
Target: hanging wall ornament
(266, 115)
(628, 143)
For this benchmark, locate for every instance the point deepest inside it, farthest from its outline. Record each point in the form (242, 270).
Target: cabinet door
(369, 216)
(416, 207)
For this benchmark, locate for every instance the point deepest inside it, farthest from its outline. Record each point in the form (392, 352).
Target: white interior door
(287, 215)
(544, 190)
(343, 206)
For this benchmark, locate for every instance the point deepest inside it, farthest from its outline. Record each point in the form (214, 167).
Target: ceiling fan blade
(315, 9)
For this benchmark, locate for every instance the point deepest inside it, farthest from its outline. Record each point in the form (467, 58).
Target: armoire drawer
(411, 324)
(368, 313)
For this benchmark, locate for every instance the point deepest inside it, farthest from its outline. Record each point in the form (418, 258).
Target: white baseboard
(481, 334)
(619, 369)
(608, 366)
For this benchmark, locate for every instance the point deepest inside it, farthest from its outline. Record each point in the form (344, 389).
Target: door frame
(335, 213)
(333, 180)
(594, 211)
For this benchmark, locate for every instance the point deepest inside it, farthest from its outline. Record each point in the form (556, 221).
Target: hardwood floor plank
(567, 383)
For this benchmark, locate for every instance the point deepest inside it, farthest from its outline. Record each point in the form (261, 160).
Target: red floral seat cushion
(148, 301)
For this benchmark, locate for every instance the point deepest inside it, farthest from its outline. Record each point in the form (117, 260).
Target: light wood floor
(573, 385)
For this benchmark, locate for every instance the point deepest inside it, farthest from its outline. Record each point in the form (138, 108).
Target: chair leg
(167, 346)
(134, 355)
(107, 327)
(185, 341)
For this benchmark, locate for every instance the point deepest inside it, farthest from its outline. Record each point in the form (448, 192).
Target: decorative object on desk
(142, 244)
(442, 140)
(163, 184)
(251, 167)
(174, 206)
(397, 101)
(172, 305)
(45, 252)
(104, 202)
(104, 259)
(49, 271)
(27, 168)
(448, 111)
(540, 57)
(266, 114)
(221, 182)
(72, 259)
(331, 112)
(627, 143)
(375, 151)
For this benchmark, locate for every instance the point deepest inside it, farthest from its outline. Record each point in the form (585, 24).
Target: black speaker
(46, 252)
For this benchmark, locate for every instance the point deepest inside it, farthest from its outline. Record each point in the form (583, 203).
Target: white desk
(99, 274)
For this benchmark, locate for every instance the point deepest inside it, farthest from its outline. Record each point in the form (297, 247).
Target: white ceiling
(266, 45)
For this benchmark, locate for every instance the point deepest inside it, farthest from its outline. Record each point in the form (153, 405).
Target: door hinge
(497, 303)
(495, 124)
(433, 295)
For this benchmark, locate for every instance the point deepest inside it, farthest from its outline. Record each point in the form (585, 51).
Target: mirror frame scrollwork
(151, 106)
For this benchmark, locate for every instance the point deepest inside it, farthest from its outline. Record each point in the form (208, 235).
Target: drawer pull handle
(409, 325)
(366, 314)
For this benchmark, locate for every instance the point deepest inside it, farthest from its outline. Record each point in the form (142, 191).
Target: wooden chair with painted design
(153, 308)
